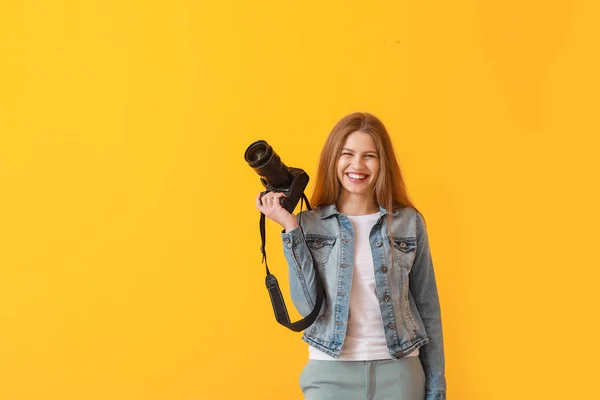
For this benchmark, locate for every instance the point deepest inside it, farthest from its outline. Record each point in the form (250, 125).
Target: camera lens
(261, 157)
(258, 153)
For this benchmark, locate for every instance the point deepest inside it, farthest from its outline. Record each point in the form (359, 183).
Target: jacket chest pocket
(404, 251)
(320, 247)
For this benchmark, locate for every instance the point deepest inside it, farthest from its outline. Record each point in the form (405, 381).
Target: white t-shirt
(365, 337)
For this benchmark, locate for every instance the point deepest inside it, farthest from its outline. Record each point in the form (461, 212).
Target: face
(358, 165)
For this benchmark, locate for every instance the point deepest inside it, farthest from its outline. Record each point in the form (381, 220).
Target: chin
(357, 192)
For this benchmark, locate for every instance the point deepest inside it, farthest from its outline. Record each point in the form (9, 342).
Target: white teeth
(357, 176)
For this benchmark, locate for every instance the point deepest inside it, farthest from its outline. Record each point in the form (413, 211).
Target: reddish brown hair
(390, 190)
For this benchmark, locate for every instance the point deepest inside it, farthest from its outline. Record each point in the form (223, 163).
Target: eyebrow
(366, 152)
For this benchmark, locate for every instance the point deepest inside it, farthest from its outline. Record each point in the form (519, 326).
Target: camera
(275, 175)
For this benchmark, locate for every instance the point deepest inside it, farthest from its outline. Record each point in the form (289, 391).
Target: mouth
(356, 178)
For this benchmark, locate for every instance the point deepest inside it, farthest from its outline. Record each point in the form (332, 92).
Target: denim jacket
(407, 291)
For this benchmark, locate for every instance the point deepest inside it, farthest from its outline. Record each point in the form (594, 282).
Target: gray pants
(363, 380)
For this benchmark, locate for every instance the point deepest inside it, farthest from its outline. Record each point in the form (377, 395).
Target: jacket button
(378, 244)
(386, 298)
(286, 240)
(383, 269)
(402, 244)
(392, 325)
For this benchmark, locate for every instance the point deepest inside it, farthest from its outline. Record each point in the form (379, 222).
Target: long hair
(390, 190)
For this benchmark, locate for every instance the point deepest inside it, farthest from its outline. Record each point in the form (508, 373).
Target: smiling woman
(381, 321)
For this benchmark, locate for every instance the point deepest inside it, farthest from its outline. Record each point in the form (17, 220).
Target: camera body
(275, 175)
(293, 190)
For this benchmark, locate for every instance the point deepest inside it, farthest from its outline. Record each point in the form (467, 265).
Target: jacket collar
(328, 211)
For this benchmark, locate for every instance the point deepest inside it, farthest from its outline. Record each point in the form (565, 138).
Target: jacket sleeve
(303, 287)
(424, 291)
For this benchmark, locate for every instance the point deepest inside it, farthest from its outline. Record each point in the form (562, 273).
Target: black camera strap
(281, 314)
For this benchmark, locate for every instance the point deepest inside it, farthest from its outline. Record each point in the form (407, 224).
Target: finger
(271, 197)
(274, 199)
(258, 201)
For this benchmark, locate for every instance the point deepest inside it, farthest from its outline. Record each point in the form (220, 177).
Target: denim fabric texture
(407, 290)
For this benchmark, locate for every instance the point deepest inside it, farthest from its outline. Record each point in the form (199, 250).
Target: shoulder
(316, 214)
(408, 214)
(319, 212)
(407, 221)
(405, 212)
(318, 221)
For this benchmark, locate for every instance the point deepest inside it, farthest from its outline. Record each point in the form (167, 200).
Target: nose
(356, 162)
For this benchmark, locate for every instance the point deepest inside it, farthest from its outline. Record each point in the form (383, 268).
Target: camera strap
(281, 313)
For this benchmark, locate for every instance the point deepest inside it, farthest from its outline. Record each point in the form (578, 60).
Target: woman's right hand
(269, 205)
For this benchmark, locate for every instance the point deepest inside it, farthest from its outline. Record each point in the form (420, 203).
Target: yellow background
(129, 247)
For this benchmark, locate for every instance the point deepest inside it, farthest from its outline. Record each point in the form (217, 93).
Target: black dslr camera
(275, 175)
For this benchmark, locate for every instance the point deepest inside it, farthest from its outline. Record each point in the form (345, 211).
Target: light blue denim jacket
(407, 291)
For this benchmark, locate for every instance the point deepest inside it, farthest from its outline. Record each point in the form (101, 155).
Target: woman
(378, 334)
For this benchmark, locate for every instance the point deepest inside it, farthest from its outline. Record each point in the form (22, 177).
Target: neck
(356, 205)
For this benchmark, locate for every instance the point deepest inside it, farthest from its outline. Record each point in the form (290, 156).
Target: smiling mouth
(356, 178)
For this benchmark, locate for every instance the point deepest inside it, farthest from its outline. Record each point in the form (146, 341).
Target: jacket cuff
(436, 395)
(292, 238)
